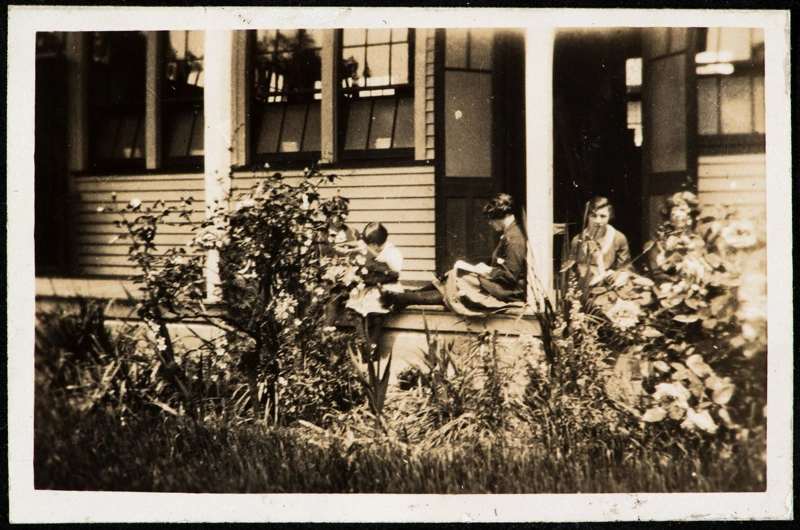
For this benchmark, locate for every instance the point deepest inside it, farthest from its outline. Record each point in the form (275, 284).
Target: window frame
(188, 162)
(401, 91)
(95, 111)
(256, 113)
(725, 143)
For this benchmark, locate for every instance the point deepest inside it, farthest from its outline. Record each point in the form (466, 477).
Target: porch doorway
(594, 122)
(480, 136)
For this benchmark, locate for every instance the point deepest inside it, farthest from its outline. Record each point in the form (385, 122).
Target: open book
(480, 269)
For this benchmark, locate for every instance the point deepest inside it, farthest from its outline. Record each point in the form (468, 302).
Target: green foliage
(685, 347)
(646, 386)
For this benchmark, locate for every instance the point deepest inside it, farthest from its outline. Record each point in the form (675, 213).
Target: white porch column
(539, 138)
(217, 102)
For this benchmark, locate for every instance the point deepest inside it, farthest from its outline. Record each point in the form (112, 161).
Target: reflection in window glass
(182, 99)
(404, 126)
(375, 84)
(730, 74)
(375, 57)
(287, 74)
(358, 118)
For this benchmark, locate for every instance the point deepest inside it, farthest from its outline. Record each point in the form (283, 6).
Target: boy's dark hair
(375, 234)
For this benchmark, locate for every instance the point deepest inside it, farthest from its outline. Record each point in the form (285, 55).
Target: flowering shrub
(688, 343)
(272, 288)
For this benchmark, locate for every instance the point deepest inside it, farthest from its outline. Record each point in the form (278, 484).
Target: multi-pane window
(287, 84)
(376, 90)
(730, 84)
(182, 95)
(117, 98)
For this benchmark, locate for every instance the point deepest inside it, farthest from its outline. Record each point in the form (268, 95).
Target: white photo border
(28, 505)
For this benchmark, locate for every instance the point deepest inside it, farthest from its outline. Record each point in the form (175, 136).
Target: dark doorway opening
(594, 149)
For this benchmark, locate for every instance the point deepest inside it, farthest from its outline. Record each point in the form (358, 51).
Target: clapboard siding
(100, 252)
(402, 198)
(734, 180)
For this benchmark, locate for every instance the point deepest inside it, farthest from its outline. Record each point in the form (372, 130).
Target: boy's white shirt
(391, 256)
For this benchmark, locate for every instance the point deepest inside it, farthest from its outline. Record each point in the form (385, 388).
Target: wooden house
(421, 125)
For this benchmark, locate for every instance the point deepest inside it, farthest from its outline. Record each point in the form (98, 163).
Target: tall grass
(452, 433)
(152, 454)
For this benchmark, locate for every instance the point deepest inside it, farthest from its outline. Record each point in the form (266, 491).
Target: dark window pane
(127, 136)
(198, 134)
(404, 123)
(270, 129)
(180, 133)
(293, 125)
(358, 118)
(380, 136)
(116, 94)
(311, 141)
(105, 138)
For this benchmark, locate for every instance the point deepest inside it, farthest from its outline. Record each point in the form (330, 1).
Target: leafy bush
(688, 350)
(272, 287)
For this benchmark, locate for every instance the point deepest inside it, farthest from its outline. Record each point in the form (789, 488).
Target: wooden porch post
(539, 137)
(218, 101)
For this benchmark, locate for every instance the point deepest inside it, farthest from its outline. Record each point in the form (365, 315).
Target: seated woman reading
(472, 290)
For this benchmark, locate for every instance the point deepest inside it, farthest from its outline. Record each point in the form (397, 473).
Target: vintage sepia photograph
(440, 260)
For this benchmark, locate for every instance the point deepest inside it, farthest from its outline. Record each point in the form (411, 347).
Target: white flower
(161, 344)
(700, 420)
(249, 203)
(739, 234)
(748, 332)
(624, 314)
(675, 392)
(135, 203)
